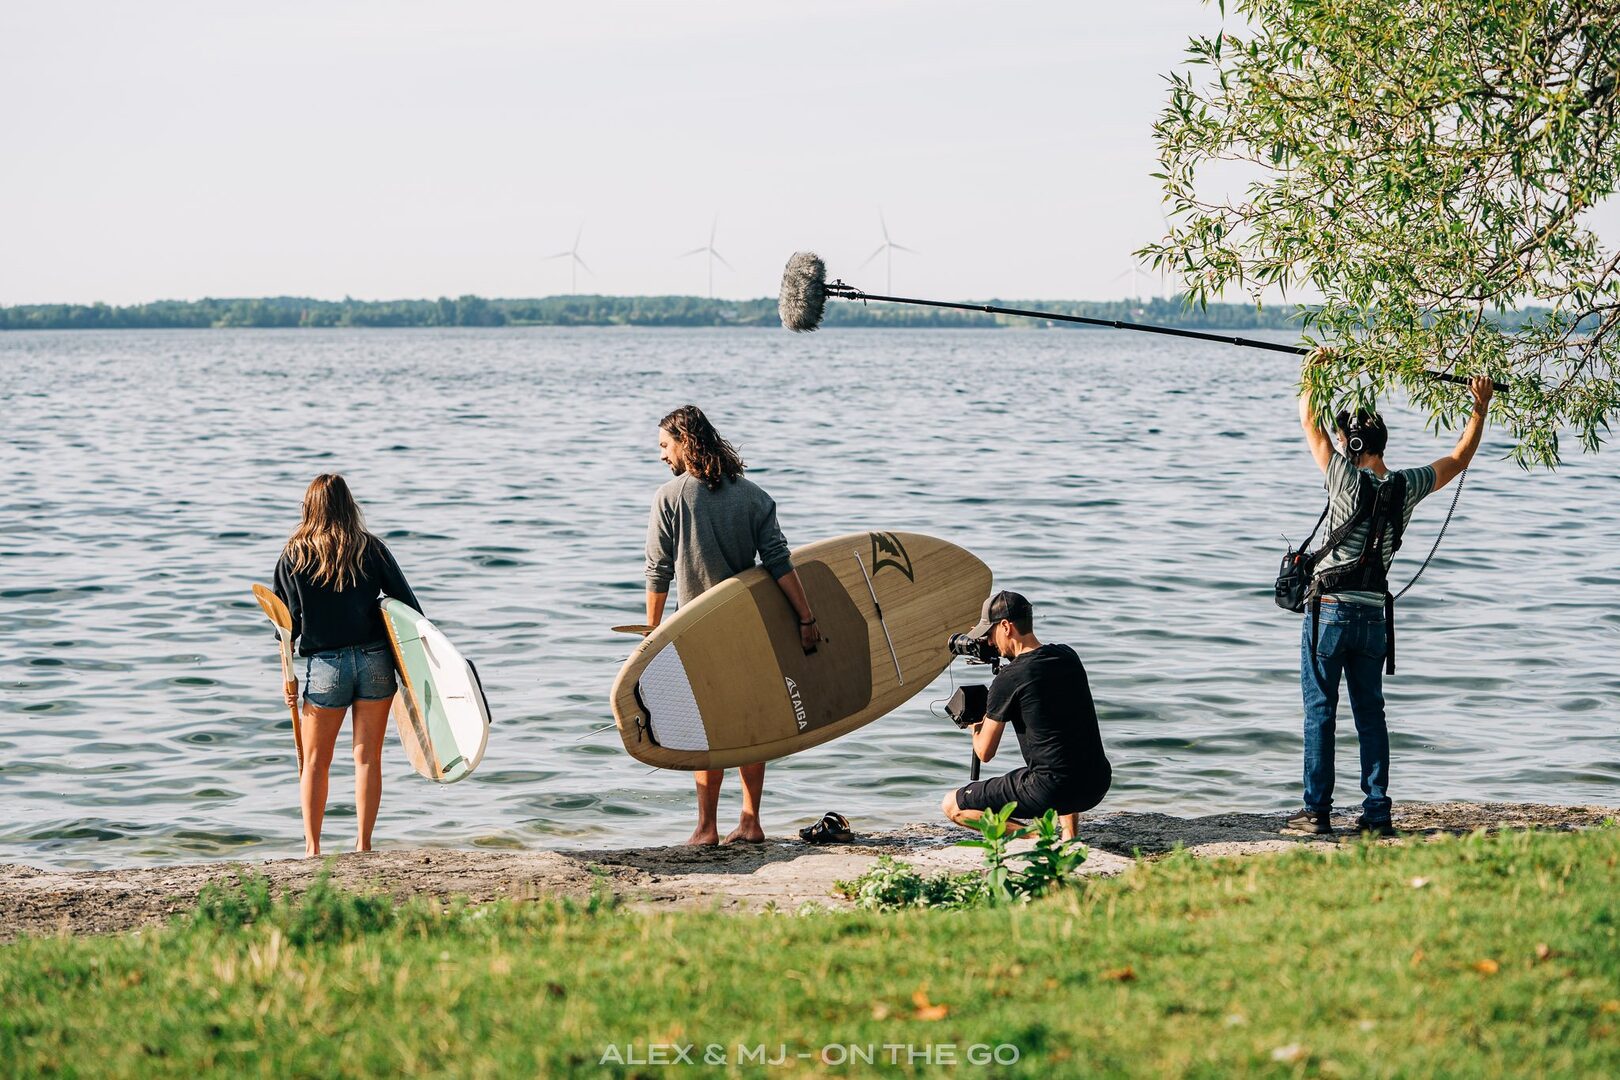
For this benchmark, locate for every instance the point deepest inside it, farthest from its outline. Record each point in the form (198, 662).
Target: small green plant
(1053, 861)
(602, 900)
(892, 884)
(322, 913)
(229, 905)
(994, 835)
(1050, 864)
(325, 913)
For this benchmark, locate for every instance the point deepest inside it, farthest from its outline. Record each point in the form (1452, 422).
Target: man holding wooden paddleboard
(707, 525)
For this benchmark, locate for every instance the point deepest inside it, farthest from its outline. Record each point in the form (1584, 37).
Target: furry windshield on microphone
(804, 292)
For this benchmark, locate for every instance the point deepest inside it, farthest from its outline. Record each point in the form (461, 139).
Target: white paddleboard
(440, 711)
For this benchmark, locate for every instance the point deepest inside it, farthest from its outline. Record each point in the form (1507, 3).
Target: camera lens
(972, 648)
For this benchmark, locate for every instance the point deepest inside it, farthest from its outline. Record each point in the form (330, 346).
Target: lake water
(1134, 488)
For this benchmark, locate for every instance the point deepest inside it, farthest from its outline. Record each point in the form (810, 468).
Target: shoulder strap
(1305, 543)
(1364, 507)
(1396, 495)
(1388, 501)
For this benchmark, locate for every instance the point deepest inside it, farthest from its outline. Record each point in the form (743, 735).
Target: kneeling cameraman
(1043, 693)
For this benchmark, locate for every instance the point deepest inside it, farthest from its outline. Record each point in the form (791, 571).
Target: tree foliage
(1423, 165)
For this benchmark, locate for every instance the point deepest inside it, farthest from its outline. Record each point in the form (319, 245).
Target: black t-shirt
(1044, 695)
(325, 618)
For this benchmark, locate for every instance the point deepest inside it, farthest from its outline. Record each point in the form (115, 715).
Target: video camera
(977, 650)
(967, 706)
(970, 703)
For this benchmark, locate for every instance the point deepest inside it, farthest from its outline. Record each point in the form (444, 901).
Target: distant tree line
(294, 311)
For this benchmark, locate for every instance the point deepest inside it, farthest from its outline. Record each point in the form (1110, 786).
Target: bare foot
(312, 853)
(704, 836)
(747, 832)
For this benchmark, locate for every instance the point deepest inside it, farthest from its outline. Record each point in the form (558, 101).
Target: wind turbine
(713, 255)
(887, 250)
(1136, 274)
(575, 262)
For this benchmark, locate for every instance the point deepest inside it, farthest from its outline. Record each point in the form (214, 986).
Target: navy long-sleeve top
(326, 618)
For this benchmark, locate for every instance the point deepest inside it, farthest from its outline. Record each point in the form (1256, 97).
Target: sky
(174, 150)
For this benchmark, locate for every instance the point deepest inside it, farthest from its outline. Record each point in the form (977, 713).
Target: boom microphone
(805, 290)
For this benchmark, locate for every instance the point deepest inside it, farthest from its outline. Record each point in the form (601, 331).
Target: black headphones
(1354, 440)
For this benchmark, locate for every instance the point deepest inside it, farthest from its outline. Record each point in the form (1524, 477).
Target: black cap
(1003, 605)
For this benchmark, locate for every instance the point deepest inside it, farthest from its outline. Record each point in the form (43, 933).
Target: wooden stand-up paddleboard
(282, 618)
(440, 711)
(725, 681)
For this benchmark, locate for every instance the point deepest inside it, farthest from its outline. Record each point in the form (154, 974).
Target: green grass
(1505, 961)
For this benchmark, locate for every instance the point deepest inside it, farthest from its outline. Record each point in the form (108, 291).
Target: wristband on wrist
(811, 621)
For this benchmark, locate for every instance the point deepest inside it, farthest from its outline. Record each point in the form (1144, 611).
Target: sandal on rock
(833, 828)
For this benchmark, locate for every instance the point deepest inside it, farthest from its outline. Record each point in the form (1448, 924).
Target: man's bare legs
(1068, 824)
(708, 806)
(748, 829)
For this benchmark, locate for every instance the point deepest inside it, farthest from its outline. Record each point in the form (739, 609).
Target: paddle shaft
(290, 686)
(849, 292)
(275, 609)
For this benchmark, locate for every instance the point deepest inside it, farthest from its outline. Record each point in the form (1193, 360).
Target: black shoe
(1309, 822)
(1375, 828)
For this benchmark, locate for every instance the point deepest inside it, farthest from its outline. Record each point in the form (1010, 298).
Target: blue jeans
(1352, 647)
(339, 678)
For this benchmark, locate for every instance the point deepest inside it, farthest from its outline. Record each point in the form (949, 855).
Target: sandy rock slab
(781, 874)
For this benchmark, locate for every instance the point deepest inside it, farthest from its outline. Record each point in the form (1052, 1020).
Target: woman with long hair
(330, 575)
(707, 525)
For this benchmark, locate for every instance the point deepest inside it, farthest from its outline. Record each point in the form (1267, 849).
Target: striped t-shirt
(1343, 485)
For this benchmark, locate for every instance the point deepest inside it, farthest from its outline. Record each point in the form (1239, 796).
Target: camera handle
(973, 769)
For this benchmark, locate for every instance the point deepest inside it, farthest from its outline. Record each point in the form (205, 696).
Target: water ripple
(1136, 489)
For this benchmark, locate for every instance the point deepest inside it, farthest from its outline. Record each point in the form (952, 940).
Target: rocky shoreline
(780, 874)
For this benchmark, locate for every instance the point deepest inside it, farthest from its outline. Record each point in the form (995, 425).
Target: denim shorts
(337, 679)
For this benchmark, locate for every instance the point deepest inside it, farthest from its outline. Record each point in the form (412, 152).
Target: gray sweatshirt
(699, 537)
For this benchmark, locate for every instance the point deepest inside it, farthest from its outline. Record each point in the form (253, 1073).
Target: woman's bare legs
(370, 725)
(320, 731)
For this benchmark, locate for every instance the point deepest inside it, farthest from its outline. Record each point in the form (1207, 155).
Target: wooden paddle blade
(277, 610)
(633, 628)
(273, 607)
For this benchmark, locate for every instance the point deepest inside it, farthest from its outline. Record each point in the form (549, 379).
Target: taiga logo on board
(798, 703)
(887, 550)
